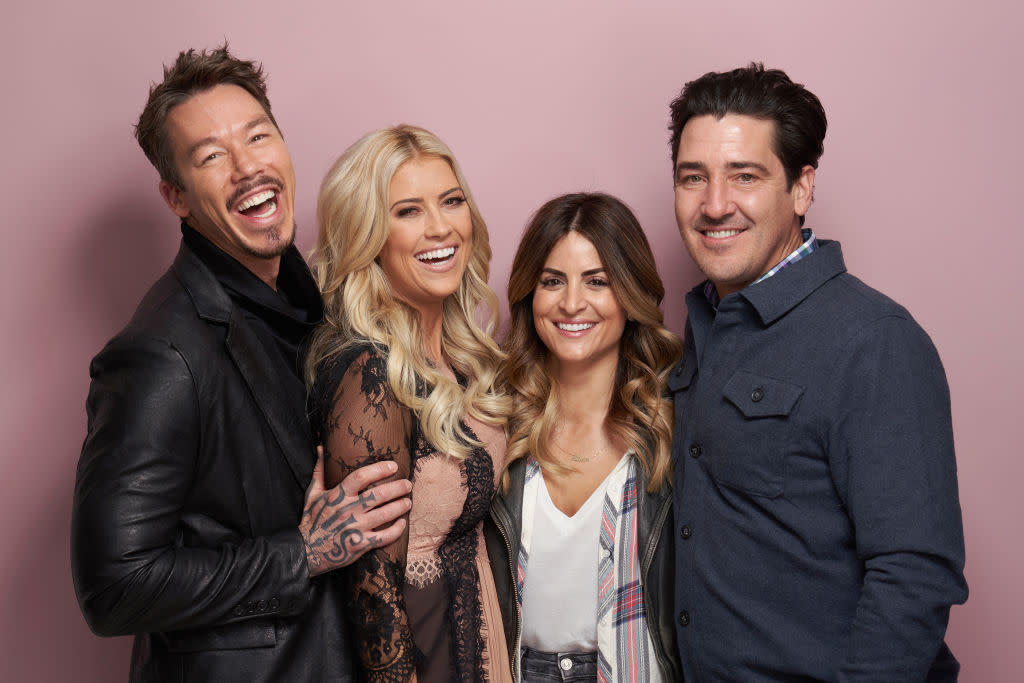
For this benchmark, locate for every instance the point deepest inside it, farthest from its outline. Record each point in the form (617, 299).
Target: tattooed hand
(340, 524)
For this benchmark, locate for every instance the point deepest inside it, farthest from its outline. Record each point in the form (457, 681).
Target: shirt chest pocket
(750, 445)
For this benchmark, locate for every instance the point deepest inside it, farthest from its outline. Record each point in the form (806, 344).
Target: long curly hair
(640, 413)
(360, 305)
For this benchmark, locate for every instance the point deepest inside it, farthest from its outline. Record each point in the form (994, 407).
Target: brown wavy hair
(192, 72)
(640, 413)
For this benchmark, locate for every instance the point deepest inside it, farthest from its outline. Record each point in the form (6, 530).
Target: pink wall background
(919, 181)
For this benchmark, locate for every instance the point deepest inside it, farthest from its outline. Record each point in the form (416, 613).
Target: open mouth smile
(260, 205)
(436, 257)
(574, 327)
(722, 233)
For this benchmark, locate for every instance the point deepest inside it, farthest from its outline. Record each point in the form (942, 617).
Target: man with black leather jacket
(201, 524)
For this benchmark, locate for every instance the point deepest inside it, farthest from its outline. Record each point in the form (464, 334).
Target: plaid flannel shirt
(621, 617)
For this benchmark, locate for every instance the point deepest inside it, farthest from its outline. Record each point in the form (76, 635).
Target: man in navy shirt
(820, 535)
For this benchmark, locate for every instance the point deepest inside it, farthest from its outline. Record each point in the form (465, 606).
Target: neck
(585, 391)
(430, 325)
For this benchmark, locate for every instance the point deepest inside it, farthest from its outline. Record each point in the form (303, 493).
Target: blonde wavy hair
(360, 305)
(640, 413)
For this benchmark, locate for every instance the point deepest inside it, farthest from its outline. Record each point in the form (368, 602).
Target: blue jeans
(557, 666)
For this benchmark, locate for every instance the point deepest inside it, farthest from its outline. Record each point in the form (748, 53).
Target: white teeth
(258, 198)
(436, 254)
(722, 233)
(574, 327)
(271, 208)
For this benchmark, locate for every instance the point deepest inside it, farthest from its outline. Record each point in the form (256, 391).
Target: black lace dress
(426, 603)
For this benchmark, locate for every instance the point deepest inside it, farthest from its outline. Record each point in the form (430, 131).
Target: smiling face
(575, 312)
(237, 176)
(430, 233)
(735, 213)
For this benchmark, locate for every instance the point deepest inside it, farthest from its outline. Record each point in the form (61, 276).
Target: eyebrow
(733, 165)
(419, 200)
(739, 165)
(585, 273)
(209, 140)
(690, 166)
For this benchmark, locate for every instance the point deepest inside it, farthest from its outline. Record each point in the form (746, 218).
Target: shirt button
(566, 664)
(757, 394)
(684, 618)
(686, 532)
(695, 450)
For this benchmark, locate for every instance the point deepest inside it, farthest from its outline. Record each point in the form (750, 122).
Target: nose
(717, 200)
(573, 300)
(247, 163)
(435, 226)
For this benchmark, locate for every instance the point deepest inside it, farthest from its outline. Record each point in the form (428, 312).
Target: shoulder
(852, 310)
(360, 362)
(863, 300)
(356, 354)
(163, 317)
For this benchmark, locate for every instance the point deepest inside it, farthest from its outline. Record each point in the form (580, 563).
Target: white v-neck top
(560, 594)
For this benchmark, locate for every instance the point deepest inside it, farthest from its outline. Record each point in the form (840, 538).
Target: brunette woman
(581, 540)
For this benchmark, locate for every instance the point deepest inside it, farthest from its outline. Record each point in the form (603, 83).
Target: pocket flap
(759, 396)
(682, 374)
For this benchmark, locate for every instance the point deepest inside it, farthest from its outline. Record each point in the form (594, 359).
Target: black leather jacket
(657, 564)
(189, 492)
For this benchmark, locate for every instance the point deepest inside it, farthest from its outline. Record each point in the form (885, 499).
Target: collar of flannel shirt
(805, 249)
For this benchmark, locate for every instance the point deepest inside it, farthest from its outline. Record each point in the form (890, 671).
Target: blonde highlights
(360, 305)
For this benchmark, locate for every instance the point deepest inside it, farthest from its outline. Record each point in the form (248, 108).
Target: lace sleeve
(366, 424)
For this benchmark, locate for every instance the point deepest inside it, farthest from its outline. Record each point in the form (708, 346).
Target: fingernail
(392, 467)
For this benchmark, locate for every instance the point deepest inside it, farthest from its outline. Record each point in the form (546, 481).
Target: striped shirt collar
(806, 249)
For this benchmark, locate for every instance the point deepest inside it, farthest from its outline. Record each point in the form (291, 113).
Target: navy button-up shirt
(820, 535)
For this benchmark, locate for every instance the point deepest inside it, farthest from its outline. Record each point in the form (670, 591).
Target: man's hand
(340, 524)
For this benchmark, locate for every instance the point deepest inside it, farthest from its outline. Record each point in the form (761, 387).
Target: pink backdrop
(536, 98)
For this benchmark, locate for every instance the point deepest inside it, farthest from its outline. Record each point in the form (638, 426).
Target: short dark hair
(192, 72)
(767, 94)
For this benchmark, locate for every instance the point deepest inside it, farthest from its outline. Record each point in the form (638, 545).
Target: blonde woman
(581, 541)
(402, 370)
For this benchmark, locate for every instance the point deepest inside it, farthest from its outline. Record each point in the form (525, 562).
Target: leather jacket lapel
(287, 422)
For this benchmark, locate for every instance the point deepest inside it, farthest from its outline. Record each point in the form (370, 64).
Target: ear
(175, 199)
(803, 191)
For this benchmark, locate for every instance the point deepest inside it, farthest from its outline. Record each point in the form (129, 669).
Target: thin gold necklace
(574, 457)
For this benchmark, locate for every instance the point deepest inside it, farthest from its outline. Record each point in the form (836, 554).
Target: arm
(367, 425)
(137, 469)
(891, 450)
